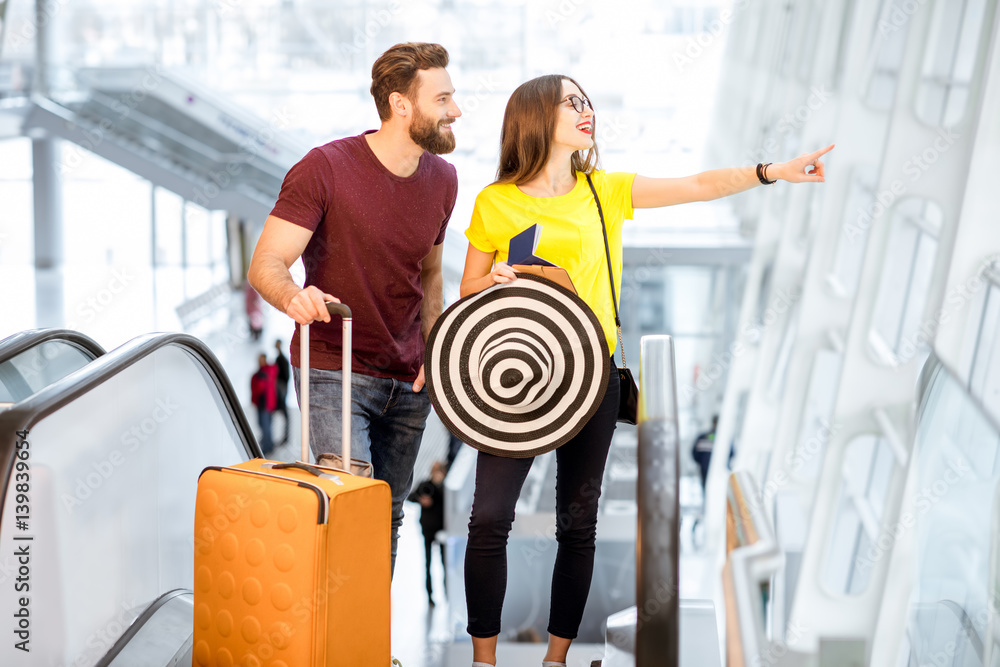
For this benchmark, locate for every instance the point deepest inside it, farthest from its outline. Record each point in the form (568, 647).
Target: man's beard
(426, 133)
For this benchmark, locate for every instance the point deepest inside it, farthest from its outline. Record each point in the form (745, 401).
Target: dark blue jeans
(266, 439)
(579, 473)
(387, 424)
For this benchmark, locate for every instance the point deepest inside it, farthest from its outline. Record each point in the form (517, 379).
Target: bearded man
(367, 214)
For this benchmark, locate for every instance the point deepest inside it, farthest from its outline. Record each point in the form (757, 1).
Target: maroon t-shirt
(371, 232)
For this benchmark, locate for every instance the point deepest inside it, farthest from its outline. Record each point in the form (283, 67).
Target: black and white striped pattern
(518, 369)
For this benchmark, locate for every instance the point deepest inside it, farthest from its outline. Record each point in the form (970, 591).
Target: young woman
(547, 151)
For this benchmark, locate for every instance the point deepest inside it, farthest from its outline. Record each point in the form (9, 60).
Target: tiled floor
(421, 635)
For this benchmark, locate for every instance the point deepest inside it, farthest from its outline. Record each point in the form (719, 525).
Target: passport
(522, 248)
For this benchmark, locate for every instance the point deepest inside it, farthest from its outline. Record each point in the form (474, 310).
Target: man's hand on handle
(309, 305)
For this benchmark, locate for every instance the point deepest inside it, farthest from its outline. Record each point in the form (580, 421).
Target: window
(860, 211)
(855, 542)
(813, 21)
(815, 428)
(779, 372)
(897, 333)
(953, 526)
(950, 61)
(886, 57)
(984, 357)
(810, 221)
(834, 67)
(794, 34)
(764, 316)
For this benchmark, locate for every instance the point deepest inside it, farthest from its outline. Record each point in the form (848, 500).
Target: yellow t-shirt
(571, 233)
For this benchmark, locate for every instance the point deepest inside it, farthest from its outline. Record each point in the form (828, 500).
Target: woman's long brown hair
(529, 123)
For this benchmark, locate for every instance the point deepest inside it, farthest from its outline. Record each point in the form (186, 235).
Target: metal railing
(657, 548)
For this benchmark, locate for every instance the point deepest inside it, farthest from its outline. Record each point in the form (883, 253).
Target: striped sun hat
(517, 369)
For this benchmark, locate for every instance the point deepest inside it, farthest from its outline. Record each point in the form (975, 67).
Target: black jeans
(579, 473)
(428, 554)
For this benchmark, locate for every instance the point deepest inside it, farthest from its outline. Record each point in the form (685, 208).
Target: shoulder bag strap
(611, 277)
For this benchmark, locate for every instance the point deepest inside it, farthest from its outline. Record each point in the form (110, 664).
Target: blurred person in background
(281, 391)
(430, 494)
(264, 396)
(701, 450)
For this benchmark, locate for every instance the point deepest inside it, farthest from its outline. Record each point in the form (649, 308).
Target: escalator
(169, 130)
(100, 472)
(160, 637)
(31, 360)
(99, 475)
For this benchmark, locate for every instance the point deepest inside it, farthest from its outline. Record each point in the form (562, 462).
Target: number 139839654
(22, 481)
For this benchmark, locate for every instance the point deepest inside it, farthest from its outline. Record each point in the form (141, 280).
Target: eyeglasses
(579, 103)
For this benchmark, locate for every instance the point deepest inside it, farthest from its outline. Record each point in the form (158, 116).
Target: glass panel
(217, 239)
(807, 52)
(950, 61)
(858, 538)
(957, 101)
(651, 315)
(198, 235)
(975, 321)
(931, 100)
(815, 428)
(779, 372)
(811, 219)
(881, 476)
(860, 210)
(968, 40)
(38, 367)
(851, 535)
(169, 209)
(895, 281)
(955, 455)
(836, 72)
(888, 45)
(796, 12)
(751, 32)
(764, 317)
(940, 54)
(898, 332)
(112, 504)
(739, 420)
(694, 304)
(916, 302)
(985, 380)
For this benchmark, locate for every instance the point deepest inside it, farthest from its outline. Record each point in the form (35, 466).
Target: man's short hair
(395, 71)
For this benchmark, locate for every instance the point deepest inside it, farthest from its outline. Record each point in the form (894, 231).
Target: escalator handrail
(657, 638)
(25, 414)
(932, 367)
(17, 343)
(138, 624)
(207, 152)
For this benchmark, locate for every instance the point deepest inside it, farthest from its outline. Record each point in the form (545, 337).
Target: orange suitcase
(292, 563)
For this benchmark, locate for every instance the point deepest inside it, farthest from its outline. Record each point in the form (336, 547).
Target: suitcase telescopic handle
(334, 308)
